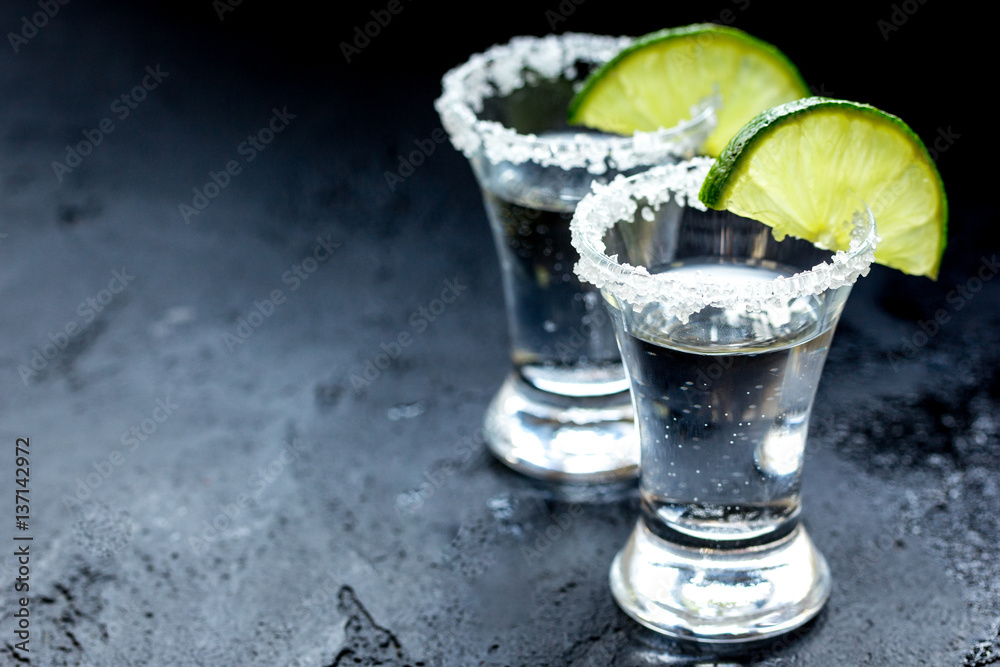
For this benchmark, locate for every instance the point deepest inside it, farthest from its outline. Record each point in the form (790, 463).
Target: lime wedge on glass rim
(656, 81)
(801, 167)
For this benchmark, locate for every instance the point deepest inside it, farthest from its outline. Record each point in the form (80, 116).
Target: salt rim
(502, 69)
(608, 204)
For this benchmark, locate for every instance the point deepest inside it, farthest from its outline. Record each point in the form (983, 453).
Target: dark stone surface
(362, 523)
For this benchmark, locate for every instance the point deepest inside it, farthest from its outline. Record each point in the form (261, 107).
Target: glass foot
(720, 596)
(569, 439)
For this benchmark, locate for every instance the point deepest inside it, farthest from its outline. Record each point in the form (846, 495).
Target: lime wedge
(801, 167)
(654, 82)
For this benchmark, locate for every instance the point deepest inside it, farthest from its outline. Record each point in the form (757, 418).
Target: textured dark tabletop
(210, 487)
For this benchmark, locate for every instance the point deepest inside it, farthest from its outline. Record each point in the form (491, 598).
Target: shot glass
(724, 332)
(563, 412)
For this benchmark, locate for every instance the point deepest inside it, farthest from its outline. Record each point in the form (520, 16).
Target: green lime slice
(800, 167)
(654, 82)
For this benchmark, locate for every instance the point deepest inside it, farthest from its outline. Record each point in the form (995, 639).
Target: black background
(930, 66)
(327, 176)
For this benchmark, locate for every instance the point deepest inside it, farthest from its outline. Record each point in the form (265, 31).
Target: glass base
(568, 439)
(720, 596)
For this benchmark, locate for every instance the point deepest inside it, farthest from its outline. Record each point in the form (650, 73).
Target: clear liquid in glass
(562, 339)
(722, 403)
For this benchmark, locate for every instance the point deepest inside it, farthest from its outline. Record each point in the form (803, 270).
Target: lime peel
(800, 168)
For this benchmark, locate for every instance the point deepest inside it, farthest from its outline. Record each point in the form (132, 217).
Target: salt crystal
(505, 68)
(618, 201)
